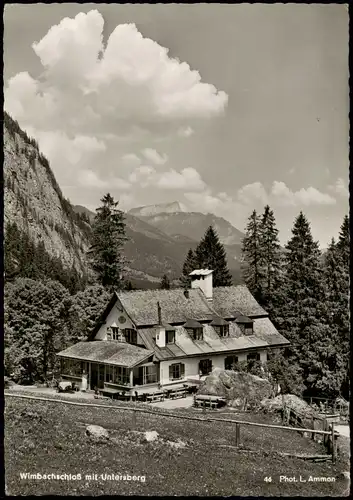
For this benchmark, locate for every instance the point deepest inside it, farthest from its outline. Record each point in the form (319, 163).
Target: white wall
(192, 364)
(112, 317)
(160, 337)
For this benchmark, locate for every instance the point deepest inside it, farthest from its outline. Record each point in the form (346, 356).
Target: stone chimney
(202, 278)
(160, 333)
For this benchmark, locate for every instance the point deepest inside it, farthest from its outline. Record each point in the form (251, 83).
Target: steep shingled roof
(191, 323)
(228, 299)
(107, 352)
(218, 321)
(141, 305)
(265, 335)
(243, 319)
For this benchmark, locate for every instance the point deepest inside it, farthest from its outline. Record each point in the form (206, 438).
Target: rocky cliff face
(33, 200)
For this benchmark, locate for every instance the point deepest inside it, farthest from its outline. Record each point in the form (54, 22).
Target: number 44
(268, 479)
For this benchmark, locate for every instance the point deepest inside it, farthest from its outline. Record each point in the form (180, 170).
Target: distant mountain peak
(169, 208)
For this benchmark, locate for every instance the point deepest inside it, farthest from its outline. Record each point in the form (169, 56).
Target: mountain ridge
(34, 202)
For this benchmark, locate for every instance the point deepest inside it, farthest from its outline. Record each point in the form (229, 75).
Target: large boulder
(291, 401)
(239, 388)
(97, 433)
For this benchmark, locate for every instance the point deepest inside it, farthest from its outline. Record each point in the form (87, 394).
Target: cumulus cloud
(281, 195)
(133, 77)
(90, 179)
(252, 192)
(153, 156)
(185, 131)
(143, 175)
(340, 188)
(94, 98)
(131, 159)
(188, 178)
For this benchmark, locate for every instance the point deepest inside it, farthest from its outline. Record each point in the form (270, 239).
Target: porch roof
(107, 352)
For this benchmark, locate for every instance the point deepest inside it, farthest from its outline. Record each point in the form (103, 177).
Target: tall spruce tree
(336, 277)
(270, 260)
(304, 319)
(210, 254)
(107, 244)
(189, 265)
(165, 283)
(252, 259)
(343, 244)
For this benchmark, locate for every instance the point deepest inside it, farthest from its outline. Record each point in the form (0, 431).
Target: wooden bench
(177, 393)
(155, 396)
(209, 401)
(109, 392)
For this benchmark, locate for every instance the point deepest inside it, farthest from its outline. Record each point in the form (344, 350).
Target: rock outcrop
(240, 389)
(33, 200)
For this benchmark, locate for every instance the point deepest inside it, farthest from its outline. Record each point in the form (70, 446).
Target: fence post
(325, 428)
(134, 418)
(313, 427)
(237, 434)
(333, 443)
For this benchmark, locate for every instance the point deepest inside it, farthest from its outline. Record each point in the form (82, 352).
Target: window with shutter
(205, 366)
(176, 371)
(230, 362)
(255, 356)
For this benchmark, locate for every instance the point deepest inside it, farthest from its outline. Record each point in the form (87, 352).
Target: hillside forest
(50, 305)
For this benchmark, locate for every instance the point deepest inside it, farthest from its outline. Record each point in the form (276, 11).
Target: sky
(224, 108)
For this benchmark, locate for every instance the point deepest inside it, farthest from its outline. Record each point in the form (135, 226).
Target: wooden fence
(328, 406)
(319, 423)
(330, 436)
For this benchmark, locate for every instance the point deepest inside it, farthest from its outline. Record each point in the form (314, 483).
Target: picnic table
(109, 391)
(156, 396)
(177, 393)
(209, 401)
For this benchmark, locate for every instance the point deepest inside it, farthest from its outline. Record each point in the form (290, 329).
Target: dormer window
(223, 330)
(245, 324)
(130, 336)
(115, 333)
(194, 329)
(221, 326)
(170, 336)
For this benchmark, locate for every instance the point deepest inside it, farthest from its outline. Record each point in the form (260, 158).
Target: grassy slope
(50, 437)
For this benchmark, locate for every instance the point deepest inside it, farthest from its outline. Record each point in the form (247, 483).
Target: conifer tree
(343, 244)
(304, 318)
(189, 266)
(210, 254)
(165, 283)
(336, 276)
(108, 240)
(252, 260)
(270, 259)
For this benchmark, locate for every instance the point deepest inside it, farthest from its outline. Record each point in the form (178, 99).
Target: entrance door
(94, 375)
